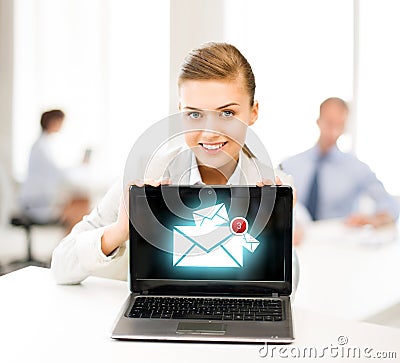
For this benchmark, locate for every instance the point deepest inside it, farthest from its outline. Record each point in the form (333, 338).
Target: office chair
(27, 224)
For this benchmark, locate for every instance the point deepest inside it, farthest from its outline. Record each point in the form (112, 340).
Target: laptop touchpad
(201, 328)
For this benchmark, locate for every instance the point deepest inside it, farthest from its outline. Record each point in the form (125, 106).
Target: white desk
(43, 322)
(348, 272)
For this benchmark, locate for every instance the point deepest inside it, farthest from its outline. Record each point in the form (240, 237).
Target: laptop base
(126, 328)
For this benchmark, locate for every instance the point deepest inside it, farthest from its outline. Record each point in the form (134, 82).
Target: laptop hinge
(275, 294)
(145, 292)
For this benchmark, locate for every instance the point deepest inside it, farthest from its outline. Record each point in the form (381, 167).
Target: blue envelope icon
(210, 243)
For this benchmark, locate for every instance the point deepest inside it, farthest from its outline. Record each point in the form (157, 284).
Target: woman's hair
(218, 61)
(49, 116)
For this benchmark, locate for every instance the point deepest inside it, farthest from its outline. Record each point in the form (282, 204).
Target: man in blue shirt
(329, 182)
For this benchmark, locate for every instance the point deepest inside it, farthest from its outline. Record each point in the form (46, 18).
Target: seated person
(51, 191)
(329, 182)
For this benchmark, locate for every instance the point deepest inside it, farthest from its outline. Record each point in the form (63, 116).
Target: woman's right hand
(117, 233)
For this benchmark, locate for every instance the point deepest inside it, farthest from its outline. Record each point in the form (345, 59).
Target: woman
(214, 77)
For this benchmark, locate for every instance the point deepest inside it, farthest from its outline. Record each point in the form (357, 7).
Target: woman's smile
(214, 147)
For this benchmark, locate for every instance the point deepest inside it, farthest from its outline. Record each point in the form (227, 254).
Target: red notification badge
(239, 226)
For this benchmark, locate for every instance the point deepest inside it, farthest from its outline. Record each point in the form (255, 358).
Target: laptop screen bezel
(211, 287)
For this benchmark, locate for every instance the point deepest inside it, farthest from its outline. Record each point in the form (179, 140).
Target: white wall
(193, 23)
(378, 128)
(105, 63)
(6, 83)
(6, 87)
(301, 52)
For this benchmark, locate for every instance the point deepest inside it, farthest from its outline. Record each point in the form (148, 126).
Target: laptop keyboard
(155, 307)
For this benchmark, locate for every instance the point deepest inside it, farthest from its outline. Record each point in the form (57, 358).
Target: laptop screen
(204, 239)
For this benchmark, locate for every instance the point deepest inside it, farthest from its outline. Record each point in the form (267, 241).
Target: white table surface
(43, 322)
(350, 273)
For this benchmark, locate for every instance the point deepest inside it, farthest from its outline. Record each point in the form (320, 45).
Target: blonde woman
(214, 77)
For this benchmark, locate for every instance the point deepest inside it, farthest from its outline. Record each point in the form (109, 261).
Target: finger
(267, 182)
(354, 221)
(364, 220)
(166, 181)
(138, 182)
(152, 182)
(294, 196)
(356, 218)
(278, 180)
(298, 234)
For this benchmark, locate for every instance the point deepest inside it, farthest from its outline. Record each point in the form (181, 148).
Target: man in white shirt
(52, 191)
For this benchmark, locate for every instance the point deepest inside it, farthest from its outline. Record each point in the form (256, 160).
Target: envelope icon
(249, 242)
(210, 242)
(213, 216)
(209, 246)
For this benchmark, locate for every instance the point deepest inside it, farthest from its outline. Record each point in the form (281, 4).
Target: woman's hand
(117, 233)
(278, 181)
(298, 231)
(263, 182)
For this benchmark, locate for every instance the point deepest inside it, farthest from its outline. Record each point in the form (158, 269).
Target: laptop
(209, 263)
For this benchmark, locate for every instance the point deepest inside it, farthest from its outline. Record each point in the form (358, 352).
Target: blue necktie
(312, 200)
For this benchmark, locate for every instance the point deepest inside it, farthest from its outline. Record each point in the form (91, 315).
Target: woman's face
(231, 102)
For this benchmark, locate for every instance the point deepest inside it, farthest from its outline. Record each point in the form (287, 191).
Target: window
(105, 63)
(379, 79)
(301, 53)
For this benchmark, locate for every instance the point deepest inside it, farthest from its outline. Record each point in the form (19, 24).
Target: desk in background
(349, 273)
(45, 322)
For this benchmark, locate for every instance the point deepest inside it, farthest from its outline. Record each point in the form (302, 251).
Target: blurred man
(52, 191)
(329, 182)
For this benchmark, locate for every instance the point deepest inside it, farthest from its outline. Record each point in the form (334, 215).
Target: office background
(112, 65)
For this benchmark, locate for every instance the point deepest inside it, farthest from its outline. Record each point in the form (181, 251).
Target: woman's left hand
(298, 232)
(278, 181)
